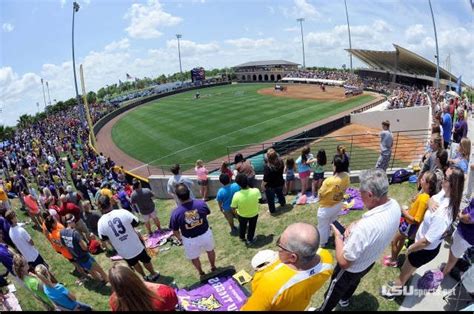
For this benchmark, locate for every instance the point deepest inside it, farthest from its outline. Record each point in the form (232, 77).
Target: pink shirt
(201, 173)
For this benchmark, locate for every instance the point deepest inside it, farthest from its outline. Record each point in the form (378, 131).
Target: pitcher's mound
(306, 91)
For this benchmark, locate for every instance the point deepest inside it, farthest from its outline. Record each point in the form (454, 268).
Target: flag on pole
(120, 83)
(129, 77)
(458, 88)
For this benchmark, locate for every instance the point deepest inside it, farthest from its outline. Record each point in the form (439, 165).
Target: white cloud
(292, 29)
(248, 44)
(63, 3)
(7, 27)
(415, 33)
(146, 20)
(301, 8)
(118, 45)
(190, 48)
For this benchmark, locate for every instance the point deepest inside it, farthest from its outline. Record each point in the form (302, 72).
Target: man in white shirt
(23, 242)
(118, 227)
(364, 240)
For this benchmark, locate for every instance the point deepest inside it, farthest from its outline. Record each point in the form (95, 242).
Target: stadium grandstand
(404, 67)
(264, 71)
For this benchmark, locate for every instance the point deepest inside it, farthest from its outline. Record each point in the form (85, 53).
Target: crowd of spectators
(60, 180)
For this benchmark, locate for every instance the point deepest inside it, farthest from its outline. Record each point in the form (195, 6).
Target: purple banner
(218, 294)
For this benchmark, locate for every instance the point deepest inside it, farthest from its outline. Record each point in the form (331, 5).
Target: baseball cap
(69, 189)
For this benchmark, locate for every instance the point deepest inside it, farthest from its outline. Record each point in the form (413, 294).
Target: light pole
(44, 95)
(75, 8)
(38, 106)
(437, 51)
(178, 36)
(349, 31)
(49, 96)
(302, 40)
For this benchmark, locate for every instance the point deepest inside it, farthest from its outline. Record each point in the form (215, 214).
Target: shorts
(304, 175)
(459, 245)
(423, 257)
(408, 230)
(142, 257)
(318, 175)
(193, 247)
(290, 177)
(203, 182)
(87, 264)
(147, 217)
(39, 260)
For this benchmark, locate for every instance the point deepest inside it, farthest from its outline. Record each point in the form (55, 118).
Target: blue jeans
(83, 307)
(270, 193)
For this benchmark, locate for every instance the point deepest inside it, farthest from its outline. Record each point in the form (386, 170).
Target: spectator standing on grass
(463, 238)
(300, 271)
(463, 152)
(225, 169)
(224, 199)
(447, 126)
(70, 208)
(176, 179)
(142, 198)
(190, 226)
(303, 164)
(76, 245)
(273, 182)
(245, 204)
(130, 293)
(364, 240)
(386, 143)
(245, 167)
(341, 151)
(60, 295)
(331, 195)
(289, 175)
(318, 172)
(23, 242)
(443, 210)
(460, 128)
(412, 218)
(118, 227)
(21, 270)
(203, 180)
(33, 208)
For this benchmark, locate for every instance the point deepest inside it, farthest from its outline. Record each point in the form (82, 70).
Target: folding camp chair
(467, 280)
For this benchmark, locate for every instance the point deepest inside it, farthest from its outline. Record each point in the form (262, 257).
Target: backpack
(430, 280)
(400, 176)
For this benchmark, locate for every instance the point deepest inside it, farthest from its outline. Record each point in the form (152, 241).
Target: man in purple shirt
(460, 128)
(189, 224)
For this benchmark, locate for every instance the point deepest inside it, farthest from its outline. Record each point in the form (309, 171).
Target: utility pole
(437, 50)
(350, 41)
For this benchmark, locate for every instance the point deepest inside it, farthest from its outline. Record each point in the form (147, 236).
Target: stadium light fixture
(178, 36)
(44, 95)
(349, 31)
(301, 20)
(75, 8)
(436, 40)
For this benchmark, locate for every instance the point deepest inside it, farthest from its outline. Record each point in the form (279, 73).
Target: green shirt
(33, 284)
(246, 202)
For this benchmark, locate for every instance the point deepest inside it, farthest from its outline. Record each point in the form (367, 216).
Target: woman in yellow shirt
(331, 195)
(413, 217)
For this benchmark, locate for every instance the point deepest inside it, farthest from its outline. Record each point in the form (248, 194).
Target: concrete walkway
(434, 301)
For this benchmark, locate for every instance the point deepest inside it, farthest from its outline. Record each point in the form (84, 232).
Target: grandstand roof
(264, 63)
(408, 62)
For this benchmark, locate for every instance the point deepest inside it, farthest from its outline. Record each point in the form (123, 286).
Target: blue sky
(138, 37)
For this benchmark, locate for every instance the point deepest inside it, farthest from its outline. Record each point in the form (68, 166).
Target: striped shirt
(370, 235)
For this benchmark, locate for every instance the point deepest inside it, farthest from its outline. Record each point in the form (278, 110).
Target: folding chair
(467, 280)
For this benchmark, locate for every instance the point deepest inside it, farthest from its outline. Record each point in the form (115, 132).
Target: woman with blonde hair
(131, 293)
(463, 153)
(60, 295)
(203, 180)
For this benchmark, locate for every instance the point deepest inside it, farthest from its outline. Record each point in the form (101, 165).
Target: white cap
(69, 189)
(263, 258)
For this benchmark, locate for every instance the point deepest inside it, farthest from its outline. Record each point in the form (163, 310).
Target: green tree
(91, 97)
(6, 132)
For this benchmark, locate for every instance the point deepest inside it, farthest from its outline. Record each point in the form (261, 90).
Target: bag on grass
(430, 280)
(400, 176)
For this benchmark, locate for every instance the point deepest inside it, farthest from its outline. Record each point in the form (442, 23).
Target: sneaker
(344, 303)
(386, 291)
(251, 242)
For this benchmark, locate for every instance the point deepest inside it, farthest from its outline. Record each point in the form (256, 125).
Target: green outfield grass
(181, 129)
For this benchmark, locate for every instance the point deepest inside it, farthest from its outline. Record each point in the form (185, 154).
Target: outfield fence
(363, 150)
